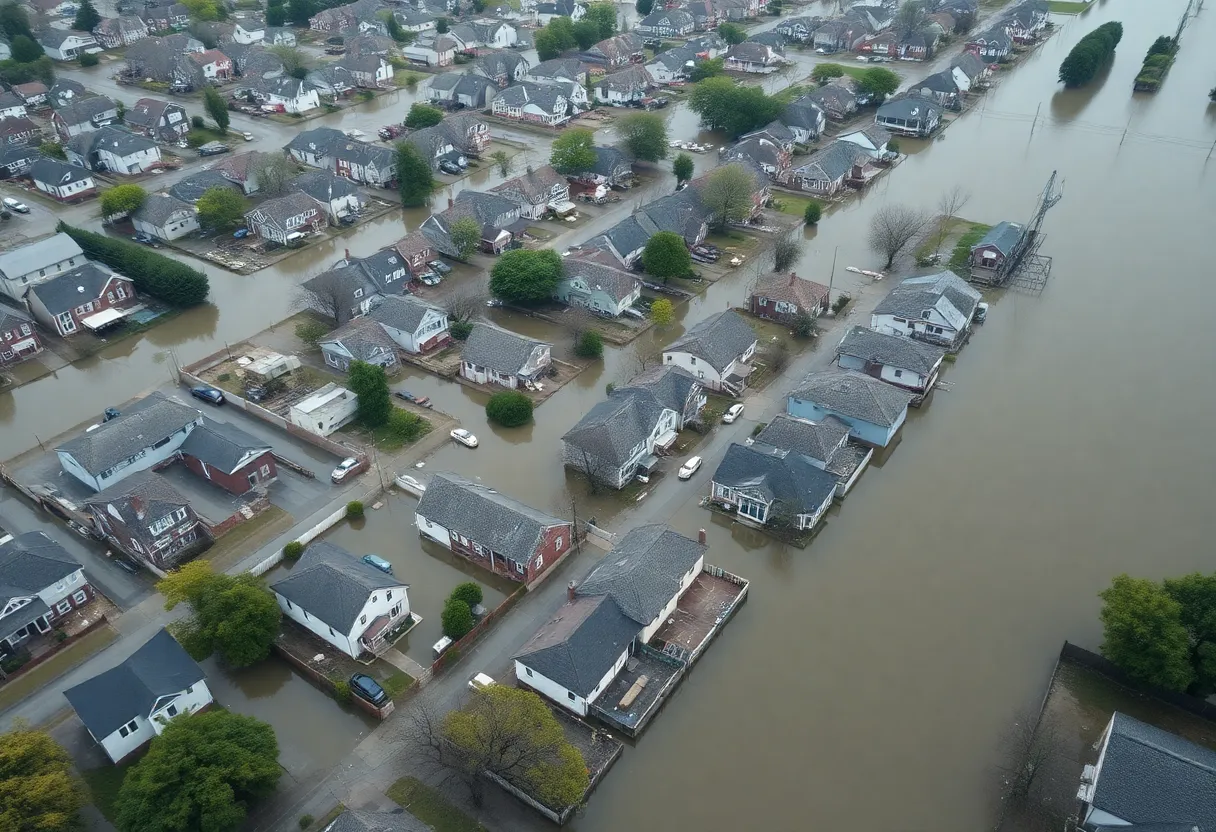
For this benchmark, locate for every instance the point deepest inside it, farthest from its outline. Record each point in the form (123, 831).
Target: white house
(937, 308)
(11, 105)
(344, 601)
(326, 410)
(41, 583)
(292, 94)
(37, 262)
(131, 703)
(495, 356)
(905, 362)
(66, 45)
(872, 139)
(114, 150)
(165, 217)
(716, 352)
(765, 485)
(621, 436)
(64, 182)
(414, 324)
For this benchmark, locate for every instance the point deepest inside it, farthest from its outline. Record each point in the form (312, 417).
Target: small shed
(270, 365)
(326, 410)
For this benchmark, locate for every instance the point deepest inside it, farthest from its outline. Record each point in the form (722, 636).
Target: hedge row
(155, 275)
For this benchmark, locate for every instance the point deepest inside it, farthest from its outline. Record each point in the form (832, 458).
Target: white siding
(561, 695)
(316, 626)
(144, 460)
(685, 582)
(56, 592)
(434, 531)
(380, 602)
(148, 726)
(699, 368)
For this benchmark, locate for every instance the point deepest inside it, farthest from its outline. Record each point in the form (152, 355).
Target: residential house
(131, 703)
(216, 66)
(1001, 242)
(708, 45)
(33, 263)
(412, 20)
(227, 456)
(336, 596)
(241, 170)
(42, 583)
(911, 116)
(415, 325)
(19, 339)
(833, 36)
(666, 23)
(166, 59)
(918, 46)
(872, 139)
(878, 15)
(969, 71)
(537, 103)
(830, 169)
(362, 339)
(992, 46)
(771, 38)
(905, 362)
(612, 167)
(315, 147)
(473, 91)
(288, 218)
(766, 154)
(163, 18)
(435, 144)
(468, 134)
(292, 94)
(800, 29)
(66, 44)
(737, 11)
(774, 487)
(1026, 21)
(370, 164)
(825, 445)
(161, 120)
(495, 356)
(537, 191)
(12, 106)
(352, 820)
(165, 217)
(618, 607)
(874, 411)
(87, 296)
(17, 130)
(624, 87)
(115, 150)
(325, 411)
(191, 188)
(673, 65)
(557, 70)
(368, 71)
(837, 101)
(617, 51)
(17, 159)
(248, 31)
(279, 36)
(501, 66)
(416, 250)
(941, 88)
(257, 66)
(117, 32)
(573, 9)
(145, 517)
(937, 308)
(805, 119)
(63, 181)
(33, 93)
(430, 50)
(1147, 778)
(674, 389)
(716, 350)
(787, 298)
(491, 529)
(84, 115)
(339, 194)
(367, 280)
(493, 212)
(753, 57)
(761, 190)
(604, 290)
(483, 33)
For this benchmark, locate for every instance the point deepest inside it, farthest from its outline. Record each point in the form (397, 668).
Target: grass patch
(247, 537)
(199, 136)
(383, 437)
(430, 807)
(795, 206)
(329, 817)
(397, 684)
(1066, 7)
(925, 249)
(103, 785)
(63, 661)
(962, 249)
(858, 70)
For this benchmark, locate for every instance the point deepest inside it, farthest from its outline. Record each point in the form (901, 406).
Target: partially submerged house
(61, 180)
(288, 218)
(873, 410)
(165, 217)
(905, 362)
(909, 116)
(538, 192)
(937, 308)
(825, 444)
(1000, 243)
(115, 150)
(37, 262)
(716, 351)
(415, 325)
(362, 339)
(19, 339)
(495, 356)
(602, 289)
(773, 487)
(787, 298)
(147, 518)
(88, 297)
(830, 170)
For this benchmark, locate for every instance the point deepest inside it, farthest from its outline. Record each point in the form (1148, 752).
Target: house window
(899, 373)
(79, 596)
(528, 670)
(358, 293)
(375, 598)
(331, 632)
(253, 478)
(363, 619)
(694, 362)
(128, 729)
(171, 710)
(265, 469)
(519, 567)
(559, 543)
(388, 596)
(63, 606)
(571, 695)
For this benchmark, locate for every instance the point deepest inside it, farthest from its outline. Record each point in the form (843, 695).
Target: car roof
(350, 460)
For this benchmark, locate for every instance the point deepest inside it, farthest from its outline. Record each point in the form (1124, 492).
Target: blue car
(378, 562)
(207, 394)
(240, 233)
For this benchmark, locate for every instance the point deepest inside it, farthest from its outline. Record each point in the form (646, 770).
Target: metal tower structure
(1025, 268)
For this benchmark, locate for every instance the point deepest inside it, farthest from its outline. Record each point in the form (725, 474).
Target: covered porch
(384, 631)
(26, 622)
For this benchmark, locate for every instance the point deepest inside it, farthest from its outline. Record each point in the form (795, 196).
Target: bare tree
(437, 755)
(599, 473)
(273, 172)
(1031, 749)
(777, 355)
(893, 228)
(948, 206)
(465, 303)
(328, 294)
(786, 252)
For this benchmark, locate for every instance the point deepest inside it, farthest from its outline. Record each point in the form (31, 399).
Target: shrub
(354, 510)
(155, 275)
(840, 303)
(461, 329)
(590, 345)
(310, 332)
(756, 430)
(306, 821)
(813, 212)
(509, 408)
(893, 145)
(342, 691)
(468, 592)
(457, 619)
(405, 425)
(197, 122)
(293, 550)
(89, 59)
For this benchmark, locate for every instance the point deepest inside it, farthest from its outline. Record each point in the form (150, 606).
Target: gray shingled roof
(1152, 776)
(816, 440)
(617, 283)
(57, 173)
(531, 187)
(116, 140)
(483, 515)
(403, 312)
(891, 350)
(1003, 237)
(32, 256)
(498, 349)
(669, 384)
(113, 698)
(221, 445)
(775, 475)
(71, 289)
(544, 96)
(916, 294)
(29, 563)
(140, 499)
(642, 572)
(912, 106)
(317, 140)
(324, 185)
(361, 821)
(718, 339)
(141, 425)
(363, 338)
(832, 162)
(580, 644)
(195, 185)
(855, 396)
(11, 317)
(611, 429)
(332, 584)
(158, 208)
(608, 159)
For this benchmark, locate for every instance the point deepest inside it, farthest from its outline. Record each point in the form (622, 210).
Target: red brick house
(491, 529)
(18, 338)
(416, 250)
(145, 517)
(87, 297)
(229, 457)
(783, 297)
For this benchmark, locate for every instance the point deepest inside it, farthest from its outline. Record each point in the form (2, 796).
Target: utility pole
(832, 275)
(1036, 118)
(1210, 149)
(1125, 129)
(578, 546)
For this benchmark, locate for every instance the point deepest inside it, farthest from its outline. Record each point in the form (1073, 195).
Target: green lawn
(63, 661)
(397, 684)
(383, 437)
(962, 249)
(430, 807)
(247, 537)
(795, 206)
(103, 785)
(328, 818)
(1066, 6)
(201, 135)
(856, 69)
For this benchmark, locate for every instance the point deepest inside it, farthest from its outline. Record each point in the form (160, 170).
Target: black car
(449, 167)
(126, 565)
(367, 688)
(207, 394)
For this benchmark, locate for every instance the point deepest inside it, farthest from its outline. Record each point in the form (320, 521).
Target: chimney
(701, 537)
(451, 202)
(137, 503)
(570, 587)
(347, 255)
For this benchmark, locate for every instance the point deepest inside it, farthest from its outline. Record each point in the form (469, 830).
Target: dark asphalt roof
(718, 339)
(916, 294)
(195, 185)
(1003, 237)
(910, 107)
(775, 475)
(580, 644)
(617, 283)
(891, 350)
(815, 440)
(71, 289)
(158, 208)
(669, 384)
(113, 698)
(29, 563)
(324, 185)
(332, 584)
(855, 396)
(141, 425)
(403, 312)
(498, 349)
(140, 499)
(642, 572)
(221, 445)
(57, 173)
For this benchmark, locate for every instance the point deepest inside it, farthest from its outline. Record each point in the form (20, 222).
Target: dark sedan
(208, 394)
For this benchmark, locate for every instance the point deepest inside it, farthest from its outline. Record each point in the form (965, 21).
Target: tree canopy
(733, 108)
(370, 384)
(603, 15)
(87, 17)
(415, 176)
(38, 792)
(826, 72)
(1090, 54)
(14, 22)
(643, 7)
(708, 68)
(573, 151)
(555, 38)
(456, 618)
(122, 200)
(235, 617)
(25, 49)
(526, 277)
(201, 773)
(666, 256)
(662, 312)
(216, 107)
(586, 34)
(589, 344)
(465, 234)
(878, 82)
(643, 135)
(172, 281)
(682, 167)
(510, 408)
(423, 115)
(728, 194)
(273, 172)
(732, 33)
(221, 208)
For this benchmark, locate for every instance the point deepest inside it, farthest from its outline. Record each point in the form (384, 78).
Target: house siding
(555, 541)
(118, 747)
(877, 435)
(561, 696)
(239, 481)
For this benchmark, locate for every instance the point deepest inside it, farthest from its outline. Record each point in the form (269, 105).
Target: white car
(20, 207)
(412, 484)
(344, 469)
(689, 468)
(464, 437)
(480, 681)
(247, 136)
(732, 413)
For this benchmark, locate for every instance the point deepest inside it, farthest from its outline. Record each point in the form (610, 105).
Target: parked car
(16, 205)
(430, 278)
(480, 681)
(378, 562)
(689, 468)
(207, 394)
(213, 149)
(464, 437)
(125, 565)
(440, 267)
(240, 233)
(981, 313)
(732, 413)
(408, 483)
(247, 136)
(111, 413)
(344, 469)
(368, 689)
(421, 401)
(449, 167)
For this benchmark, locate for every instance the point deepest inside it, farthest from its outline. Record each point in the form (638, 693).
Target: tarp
(103, 318)
(666, 440)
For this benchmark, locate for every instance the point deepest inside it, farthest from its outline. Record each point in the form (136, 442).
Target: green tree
(662, 312)
(910, 18)
(169, 280)
(728, 195)
(731, 108)
(311, 331)
(233, 616)
(805, 325)
(423, 115)
(404, 425)
(299, 11)
(878, 82)
(1090, 54)
(88, 59)
(465, 234)
(461, 330)
(643, 135)
(786, 252)
(201, 773)
(295, 60)
(501, 161)
(441, 26)
(53, 150)
(221, 208)
(38, 792)
(415, 176)
(202, 10)
(590, 344)
(25, 49)
(122, 200)
(1196, 595)
(708, 68)
(644, 7)
(826, 72)
(276, 16)
(732, 33)
(586, 34)
(510, 408)
(86, 17)
(457, 619)
(666, 256)
(573, 151)
(682, 167)
(469, 592)
(1143, 633)
(526, 277)
(555, 38)
(14, 22)
(813, 212)
(369, 383)
(216, 107)
(603, 15)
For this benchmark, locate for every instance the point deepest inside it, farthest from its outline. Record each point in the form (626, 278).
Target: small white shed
(326, 410)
